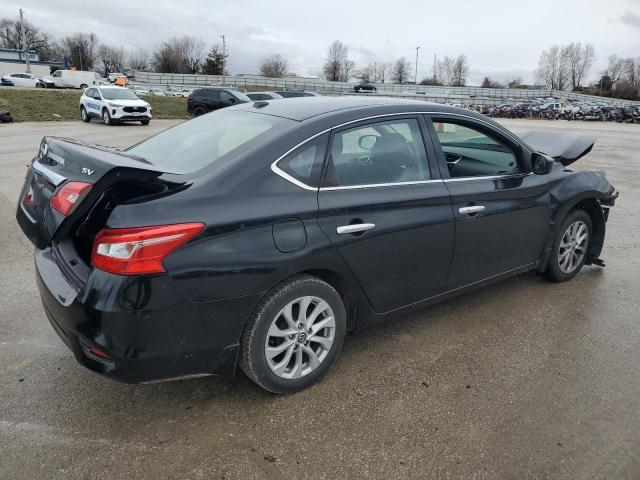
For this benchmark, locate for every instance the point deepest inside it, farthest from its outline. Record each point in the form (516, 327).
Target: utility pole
(224, 57)
(24, 41)
(415, 80)
(435, 76)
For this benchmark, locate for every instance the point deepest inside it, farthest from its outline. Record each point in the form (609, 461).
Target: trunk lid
(565, 148)
(60, 161)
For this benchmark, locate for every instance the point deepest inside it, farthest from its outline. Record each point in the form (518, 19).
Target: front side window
(377, 153)
(57, 73)
(471, 153)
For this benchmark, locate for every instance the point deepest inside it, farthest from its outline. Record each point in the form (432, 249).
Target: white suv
(112, 105)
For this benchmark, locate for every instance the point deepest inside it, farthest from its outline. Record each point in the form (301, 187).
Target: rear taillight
(68, 196)
(140, 250)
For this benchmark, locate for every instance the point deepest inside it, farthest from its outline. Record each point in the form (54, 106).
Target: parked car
(296, 93)
(172, 91)
(113, 105)
(364, 87)
(139, 90)
(74, 79)
(255, 96)
(157, 91)
(112, 77)
(206, 100)
(235, 237)
(21, 80)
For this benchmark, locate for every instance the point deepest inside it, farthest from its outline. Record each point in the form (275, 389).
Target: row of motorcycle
(573, 111)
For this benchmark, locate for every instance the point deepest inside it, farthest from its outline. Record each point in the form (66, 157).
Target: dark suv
(208, 99)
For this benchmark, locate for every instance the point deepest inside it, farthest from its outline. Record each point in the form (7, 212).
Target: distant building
(13, 61)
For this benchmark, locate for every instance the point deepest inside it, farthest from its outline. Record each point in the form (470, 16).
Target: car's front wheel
(145, 121)
(106, 118)
(84, 115)
(294, 335)
(571, 246)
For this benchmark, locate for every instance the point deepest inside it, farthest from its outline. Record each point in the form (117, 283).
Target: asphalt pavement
(521, 380)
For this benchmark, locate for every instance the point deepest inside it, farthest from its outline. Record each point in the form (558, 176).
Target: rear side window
(193, 145)
(378, 153)
(305, 163)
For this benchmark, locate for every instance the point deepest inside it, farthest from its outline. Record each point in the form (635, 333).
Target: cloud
(631, 19)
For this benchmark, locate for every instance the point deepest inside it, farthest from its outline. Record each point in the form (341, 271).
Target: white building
(13, 61)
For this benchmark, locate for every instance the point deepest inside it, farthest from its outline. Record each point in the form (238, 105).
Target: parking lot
(523, 379)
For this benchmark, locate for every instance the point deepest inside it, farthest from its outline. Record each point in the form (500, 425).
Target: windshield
(118, 94)
(192, 145)
(240, 96)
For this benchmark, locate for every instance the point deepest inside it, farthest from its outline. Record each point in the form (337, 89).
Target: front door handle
(355, 228)
(470, 210)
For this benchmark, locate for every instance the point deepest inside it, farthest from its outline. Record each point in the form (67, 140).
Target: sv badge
(87, 171)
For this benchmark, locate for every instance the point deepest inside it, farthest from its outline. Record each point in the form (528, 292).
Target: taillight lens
(68, 196)
(140, 250)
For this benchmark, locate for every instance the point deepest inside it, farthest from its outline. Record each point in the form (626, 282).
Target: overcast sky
(501, 38)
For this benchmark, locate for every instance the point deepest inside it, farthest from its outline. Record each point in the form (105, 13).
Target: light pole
(24, 41)
(224, 56)
(415, 80)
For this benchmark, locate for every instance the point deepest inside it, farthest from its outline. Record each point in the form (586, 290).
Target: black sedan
(364, 87)
(258, 235)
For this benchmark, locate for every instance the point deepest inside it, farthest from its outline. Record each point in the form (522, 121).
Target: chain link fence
(455, 95)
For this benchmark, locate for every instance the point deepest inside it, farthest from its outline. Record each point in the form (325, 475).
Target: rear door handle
(470, 210)
(355, 228)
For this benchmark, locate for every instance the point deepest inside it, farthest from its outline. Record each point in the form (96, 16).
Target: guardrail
(463, 95)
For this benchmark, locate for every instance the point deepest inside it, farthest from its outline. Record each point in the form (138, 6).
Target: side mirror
(541, 163)
(367, 142)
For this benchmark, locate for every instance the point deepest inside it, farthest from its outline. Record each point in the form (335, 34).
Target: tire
(568, 253)
(287, 371)
(145, 121)
(198, 111)
(84, 86)
(84, 115)
(106, 117)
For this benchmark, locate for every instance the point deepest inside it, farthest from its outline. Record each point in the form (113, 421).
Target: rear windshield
(193, 145)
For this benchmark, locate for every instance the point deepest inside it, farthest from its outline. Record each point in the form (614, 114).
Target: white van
(75, 79)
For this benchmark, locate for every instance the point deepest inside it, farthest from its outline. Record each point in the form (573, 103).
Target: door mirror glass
(367, 142)
(541, 163)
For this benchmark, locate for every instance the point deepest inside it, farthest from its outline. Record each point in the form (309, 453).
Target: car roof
(303, 108)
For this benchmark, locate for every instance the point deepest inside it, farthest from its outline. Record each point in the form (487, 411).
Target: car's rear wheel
(84, 85)
(294, 335)
(571, 246)
(199, 111)
(106, 118)
(84, 115)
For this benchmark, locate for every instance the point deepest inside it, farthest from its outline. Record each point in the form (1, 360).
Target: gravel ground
(523, 379)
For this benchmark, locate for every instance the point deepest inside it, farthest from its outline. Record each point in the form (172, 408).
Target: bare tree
(337, 66)
(446, 70)
(81, 49)
(615, 69)
(401, 70)
(274, 66)
(553, 68)
(138, 60)
(112, 58)
(460, 71)
(179, 55)
(580, 58)
(11, 37)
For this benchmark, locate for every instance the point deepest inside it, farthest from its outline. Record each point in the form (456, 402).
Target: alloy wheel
(300, 337)
(573, 246)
